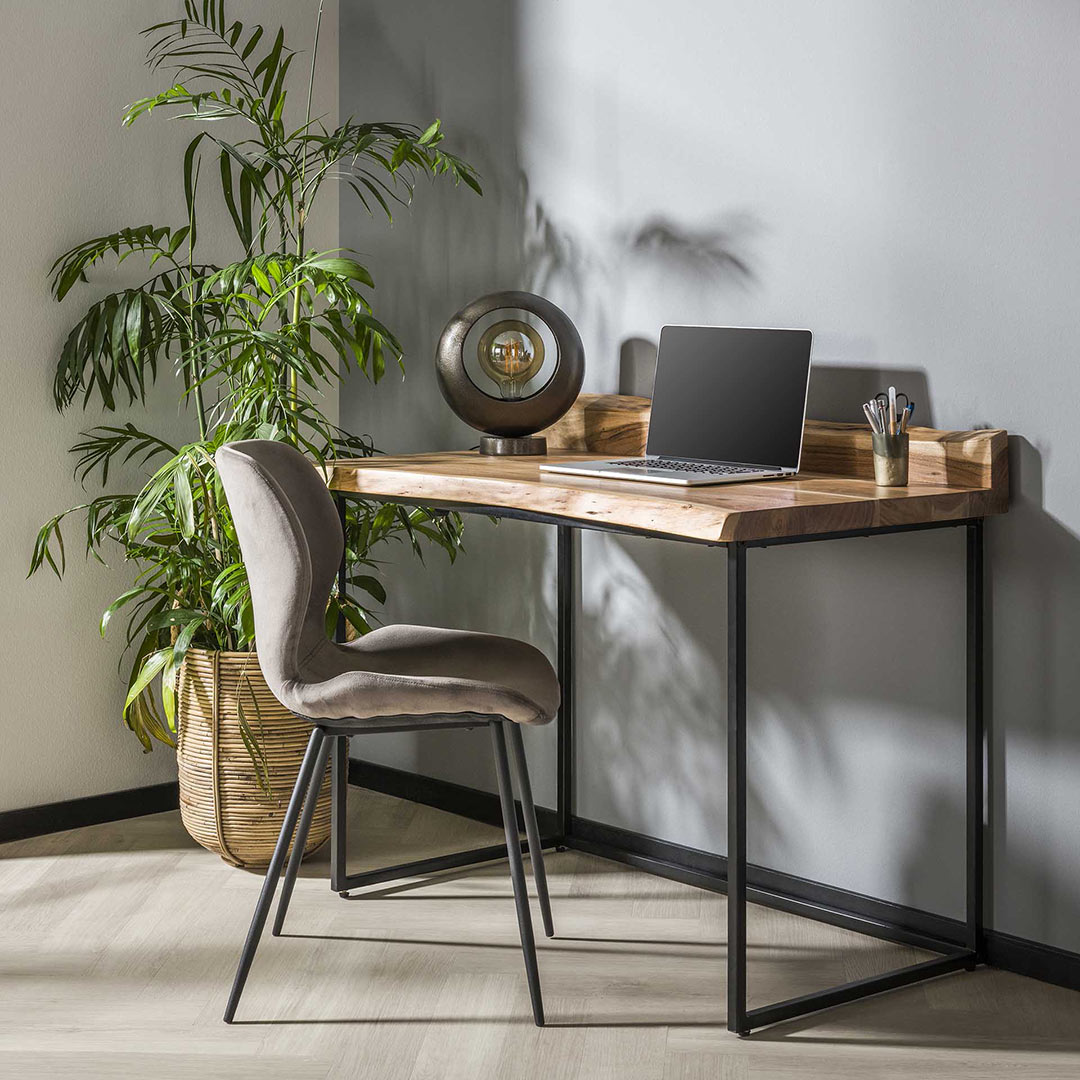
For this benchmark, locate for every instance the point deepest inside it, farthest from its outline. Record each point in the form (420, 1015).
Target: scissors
(882, 398)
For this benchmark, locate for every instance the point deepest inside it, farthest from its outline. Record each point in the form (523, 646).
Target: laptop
(729, 404)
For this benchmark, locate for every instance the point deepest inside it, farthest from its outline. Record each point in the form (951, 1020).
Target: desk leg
(736, 859)
(339, 808)
(566, 585)
(339, 761)
(740, 1019)
(975, 741)
(343, 571)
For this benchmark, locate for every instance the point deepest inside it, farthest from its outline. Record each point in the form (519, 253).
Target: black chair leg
(300, 839)
(532, 830)
(266, 897)
(517, 869)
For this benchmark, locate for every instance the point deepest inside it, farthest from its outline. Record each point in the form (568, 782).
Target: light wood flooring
(118, 944)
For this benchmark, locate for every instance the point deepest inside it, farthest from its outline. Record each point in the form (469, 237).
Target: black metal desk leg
(975, 740)
(736, 860)
(339, 807)
(343, 571)
(566, 585)
(339, 762)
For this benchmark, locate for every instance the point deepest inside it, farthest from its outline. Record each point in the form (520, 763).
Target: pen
(885, 415)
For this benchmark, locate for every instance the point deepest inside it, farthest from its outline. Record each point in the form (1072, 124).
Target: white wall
(68, 172)
(900, 176)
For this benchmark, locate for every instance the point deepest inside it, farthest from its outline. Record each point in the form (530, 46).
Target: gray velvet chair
(397, 678)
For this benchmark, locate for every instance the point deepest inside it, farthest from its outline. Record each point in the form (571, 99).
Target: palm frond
(253, 344)
(71, 267)
(115, 347)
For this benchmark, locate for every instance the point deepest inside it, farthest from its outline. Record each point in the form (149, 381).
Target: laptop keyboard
(688, 466)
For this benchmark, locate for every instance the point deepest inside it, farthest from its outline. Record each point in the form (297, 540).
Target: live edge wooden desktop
(956, 479)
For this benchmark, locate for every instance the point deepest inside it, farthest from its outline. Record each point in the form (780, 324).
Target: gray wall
(68, 171)
(902, 177)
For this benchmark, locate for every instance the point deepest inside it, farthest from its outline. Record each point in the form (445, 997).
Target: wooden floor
(118, 943)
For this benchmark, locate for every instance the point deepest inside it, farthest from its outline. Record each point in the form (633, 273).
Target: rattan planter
(221, 803)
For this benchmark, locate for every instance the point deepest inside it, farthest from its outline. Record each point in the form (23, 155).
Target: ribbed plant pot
(222, 804)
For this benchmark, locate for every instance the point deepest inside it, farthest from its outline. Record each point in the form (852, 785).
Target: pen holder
(890, 460)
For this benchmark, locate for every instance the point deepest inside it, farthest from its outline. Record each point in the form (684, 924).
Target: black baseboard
(441, 794)
(1025, 957)
(92, 810)
(840, 907)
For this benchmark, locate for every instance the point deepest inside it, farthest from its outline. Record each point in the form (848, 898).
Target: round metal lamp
(510, 364)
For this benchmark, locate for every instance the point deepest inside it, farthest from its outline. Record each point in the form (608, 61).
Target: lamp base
(503, 444)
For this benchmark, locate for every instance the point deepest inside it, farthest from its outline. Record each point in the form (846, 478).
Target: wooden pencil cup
(890, 460)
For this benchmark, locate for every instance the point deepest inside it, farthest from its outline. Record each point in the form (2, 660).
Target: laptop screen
(730, 394)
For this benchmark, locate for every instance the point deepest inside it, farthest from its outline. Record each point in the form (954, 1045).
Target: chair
(397, 678)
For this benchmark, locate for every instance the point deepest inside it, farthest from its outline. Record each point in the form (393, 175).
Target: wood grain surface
(119, 944)
(952, 475)
(808, 503)
(617, 424)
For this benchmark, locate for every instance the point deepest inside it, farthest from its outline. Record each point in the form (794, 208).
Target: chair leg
(517, 870)
(266, 897)
(532, 830)
(300, 839)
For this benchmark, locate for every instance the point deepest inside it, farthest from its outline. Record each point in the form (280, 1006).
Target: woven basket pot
(222, 804)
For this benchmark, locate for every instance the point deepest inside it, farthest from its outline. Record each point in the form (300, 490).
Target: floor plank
(118, 944)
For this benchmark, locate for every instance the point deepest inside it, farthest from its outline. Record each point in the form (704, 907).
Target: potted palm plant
(252, 345)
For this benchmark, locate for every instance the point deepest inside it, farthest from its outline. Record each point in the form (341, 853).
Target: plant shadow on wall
(593, 276)
(252, 345)
(673, 669)
(652, 695)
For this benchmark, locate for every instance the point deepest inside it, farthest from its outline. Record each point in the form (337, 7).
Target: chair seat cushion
(411, 671)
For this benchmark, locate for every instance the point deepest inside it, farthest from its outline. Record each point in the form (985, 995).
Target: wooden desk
(954, 476)
(813, 502)
(957, 478)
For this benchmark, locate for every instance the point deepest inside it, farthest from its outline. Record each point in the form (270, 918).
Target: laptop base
(658, 474)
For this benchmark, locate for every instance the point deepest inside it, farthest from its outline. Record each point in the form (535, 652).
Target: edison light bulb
(510, 354)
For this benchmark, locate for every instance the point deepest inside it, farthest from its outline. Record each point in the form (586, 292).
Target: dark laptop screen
(730, 394)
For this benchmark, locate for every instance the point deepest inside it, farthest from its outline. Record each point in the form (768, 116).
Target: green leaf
(347, 268)
(261, 278)
(183, 642)
(151, 667)
(429, 133)
(176, 616)
(185, 503)
(356, 618)
(371, 585)
(401, 151)
(249, 48)
(169, 679)
(117, 604)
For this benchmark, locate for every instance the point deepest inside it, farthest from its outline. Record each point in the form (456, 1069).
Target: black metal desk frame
(741, 1020)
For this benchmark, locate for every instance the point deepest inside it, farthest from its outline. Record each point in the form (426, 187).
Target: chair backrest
(291, 540)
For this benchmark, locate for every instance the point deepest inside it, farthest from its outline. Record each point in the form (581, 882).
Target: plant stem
(311, 76)
(301, 210)
(196, 371)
